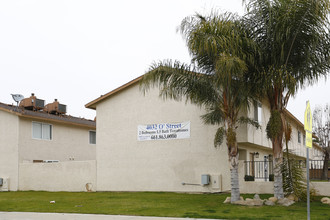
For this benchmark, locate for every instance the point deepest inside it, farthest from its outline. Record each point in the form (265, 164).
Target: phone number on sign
(163, 136)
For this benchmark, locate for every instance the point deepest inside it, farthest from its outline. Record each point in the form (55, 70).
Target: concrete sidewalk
(66, 216)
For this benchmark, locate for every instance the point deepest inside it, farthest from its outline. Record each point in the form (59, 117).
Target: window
(257, 111)
(92, 137)
(304, 140)
(299, 137)
(41, 131)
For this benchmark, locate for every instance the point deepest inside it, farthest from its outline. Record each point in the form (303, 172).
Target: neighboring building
(34, 135)
(297, 144)
(138, 150)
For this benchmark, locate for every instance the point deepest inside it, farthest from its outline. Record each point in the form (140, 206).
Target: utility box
(5, 184)
(216, 182)
(205, 179)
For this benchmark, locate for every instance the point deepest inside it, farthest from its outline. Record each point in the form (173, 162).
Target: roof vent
(32, 103)
(55, 108)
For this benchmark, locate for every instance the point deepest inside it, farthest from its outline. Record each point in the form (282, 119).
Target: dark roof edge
(66, 119)
(92, 104)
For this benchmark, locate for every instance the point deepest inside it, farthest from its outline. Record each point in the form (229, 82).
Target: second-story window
(41, 131)
(304, 140)
(257, 111)
(92, 137)
(299, 137)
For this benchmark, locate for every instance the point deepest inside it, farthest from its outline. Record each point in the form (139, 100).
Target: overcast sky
(77, 50)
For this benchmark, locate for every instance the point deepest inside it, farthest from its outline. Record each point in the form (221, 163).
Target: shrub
(248, 178)
(271, 177)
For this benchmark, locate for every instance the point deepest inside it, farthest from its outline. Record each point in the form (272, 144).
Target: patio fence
(258, 170)
(263, 170)
(316, 170)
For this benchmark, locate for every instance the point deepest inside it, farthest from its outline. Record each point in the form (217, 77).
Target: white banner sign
(164, 131)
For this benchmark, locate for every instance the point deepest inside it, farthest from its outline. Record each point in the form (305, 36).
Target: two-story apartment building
(34, 135)
(147, 144)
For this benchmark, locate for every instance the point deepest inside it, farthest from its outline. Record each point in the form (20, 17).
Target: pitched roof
(66, 119)
(92, 104)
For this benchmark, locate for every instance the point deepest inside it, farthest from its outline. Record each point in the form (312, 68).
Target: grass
(154, 204)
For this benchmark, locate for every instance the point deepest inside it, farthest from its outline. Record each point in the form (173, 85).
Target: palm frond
(176, 81)
(245, 120)
(219, 136)
(292, 35)
(215, 115)
(214, 35)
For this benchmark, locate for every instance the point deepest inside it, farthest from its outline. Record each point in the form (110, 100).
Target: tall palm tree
(221, 51)
(294, 50)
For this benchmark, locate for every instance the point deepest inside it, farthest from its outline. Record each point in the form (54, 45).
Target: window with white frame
(92, 137)
(257, 111)
(41, 131)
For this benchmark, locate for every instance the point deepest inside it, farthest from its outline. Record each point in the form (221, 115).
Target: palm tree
(294, 45)
(221, 51)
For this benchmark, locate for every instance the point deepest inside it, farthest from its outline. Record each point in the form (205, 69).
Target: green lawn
(154, 204)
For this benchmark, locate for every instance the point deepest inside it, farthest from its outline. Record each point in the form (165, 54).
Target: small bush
(248, 178)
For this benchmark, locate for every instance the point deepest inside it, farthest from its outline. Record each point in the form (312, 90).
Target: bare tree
(321, 128)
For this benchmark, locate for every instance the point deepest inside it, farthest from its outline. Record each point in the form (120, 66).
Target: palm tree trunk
(278, 179)
(289, 165)
(278, 159)
(235, 193)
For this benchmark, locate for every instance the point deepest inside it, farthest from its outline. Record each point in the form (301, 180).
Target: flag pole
(308, 126)
(308, 202)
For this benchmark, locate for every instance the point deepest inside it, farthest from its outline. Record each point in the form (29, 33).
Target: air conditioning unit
(32, 103)
(55, 108)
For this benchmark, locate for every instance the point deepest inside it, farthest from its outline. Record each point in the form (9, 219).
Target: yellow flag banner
(309, 140)
(308, 126)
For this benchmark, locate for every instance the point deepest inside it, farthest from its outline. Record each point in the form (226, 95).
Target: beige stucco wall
(249, 134)
(246, 149)
(67, 142)
(126, 164)
(9, 124)
(300, 149)
(62, 176)
(254, 186)
(321, 188)
(297, 148)
(259, 136)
